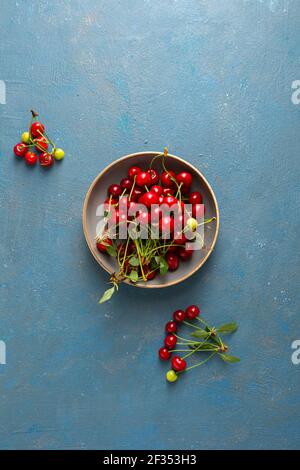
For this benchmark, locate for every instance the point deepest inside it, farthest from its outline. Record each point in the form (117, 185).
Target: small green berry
(58, 154)
(171, 376)
(25, 137)
(192, 224)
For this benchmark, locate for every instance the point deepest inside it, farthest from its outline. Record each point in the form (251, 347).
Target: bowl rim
(91, 246)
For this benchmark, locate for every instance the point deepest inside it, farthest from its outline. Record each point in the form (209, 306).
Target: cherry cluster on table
(165, 352)
(36, 140)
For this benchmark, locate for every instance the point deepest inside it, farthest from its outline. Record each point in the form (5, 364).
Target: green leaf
(107, 295)
(228, 358)
(111, 250)
(133, 276)
(200, 333)
(134, 261)
(227, 328)
(163, 266)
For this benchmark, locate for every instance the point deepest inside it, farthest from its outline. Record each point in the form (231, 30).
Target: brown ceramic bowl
(117, 170)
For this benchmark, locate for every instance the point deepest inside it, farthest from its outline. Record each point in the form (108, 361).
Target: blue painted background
(212, 80)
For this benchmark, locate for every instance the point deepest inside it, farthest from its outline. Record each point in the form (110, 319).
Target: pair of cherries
(165, 352)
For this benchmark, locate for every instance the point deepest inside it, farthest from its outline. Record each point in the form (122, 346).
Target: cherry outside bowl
(117, 170)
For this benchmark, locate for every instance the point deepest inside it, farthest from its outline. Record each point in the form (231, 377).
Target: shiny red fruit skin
(192, 312)
(37, 129)
(143, 179)
(161, 199)
(171, 327)
(164, 354)
(185, 178)
(149, 273)
(126, 183)
(114, 190)
(31, 158)
(46, 160)
(148, 199)
(195, 198)
(173, 261)
(179, 238)
(41, 144)
(170, 341)
(20, 149)
(166, 179)
(178, 363)
(184, 254)
(179, 315)
(168, 192)
(102, 248)
(133, 170)
(156, 189)
(170, 200)
(136, 194)
(153, 175)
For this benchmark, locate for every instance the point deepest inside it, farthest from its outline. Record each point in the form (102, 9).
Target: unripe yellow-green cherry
(171, 376)
(25, 137)
(58, 154)
(192, 224)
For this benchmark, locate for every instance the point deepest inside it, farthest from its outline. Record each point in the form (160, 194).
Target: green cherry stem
(199, 363)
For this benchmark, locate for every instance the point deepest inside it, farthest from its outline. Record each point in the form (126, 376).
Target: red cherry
(179, 315)
(172, 249)
(185, 178)
(170, 200)
(110, 201)
(161, 199)
(184, 254)
(143, 179)
(133, 170)
(192, 312)
(173, 261)
(114, 190)
(37, 129)
(164, 354)
(179, 238)
(166, 225)
(31, 158)
(149, 273)
(102, 246)
(198, 211)
(136, 194)
(46, 160)
(168, 192)
(167, 178)
(20, 149)
(171, 327)
(41, 144)
(178, 363)
(149, 198)
(170, 341)
(126, 183)
(153, 175)
(156, 190)
(195, 198)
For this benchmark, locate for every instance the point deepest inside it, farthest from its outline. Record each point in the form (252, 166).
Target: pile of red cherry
(148, 188)
(36, 139)
(178, 363)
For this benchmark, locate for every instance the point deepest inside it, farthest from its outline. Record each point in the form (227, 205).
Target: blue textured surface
(212, 80)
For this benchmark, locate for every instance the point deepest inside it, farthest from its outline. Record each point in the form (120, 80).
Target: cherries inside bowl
(152, 185)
